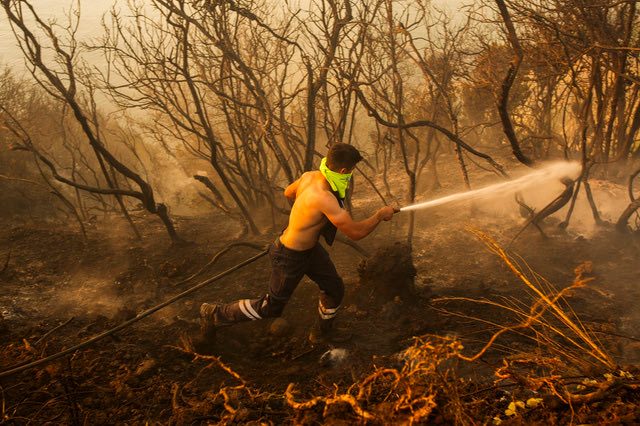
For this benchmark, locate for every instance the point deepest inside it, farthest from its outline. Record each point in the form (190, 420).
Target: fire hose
(137, 317)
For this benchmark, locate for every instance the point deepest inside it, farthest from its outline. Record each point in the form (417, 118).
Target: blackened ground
(412, 312)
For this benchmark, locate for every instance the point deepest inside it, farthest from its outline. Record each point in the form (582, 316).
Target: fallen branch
(605, 389)
(349, 399)
(555, 205)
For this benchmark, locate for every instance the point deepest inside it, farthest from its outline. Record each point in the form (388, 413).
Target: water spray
(555, 171)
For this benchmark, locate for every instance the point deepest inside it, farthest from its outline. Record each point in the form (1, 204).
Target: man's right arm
(352, 229)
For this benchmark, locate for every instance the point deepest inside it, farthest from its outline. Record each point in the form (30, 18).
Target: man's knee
(271, 307)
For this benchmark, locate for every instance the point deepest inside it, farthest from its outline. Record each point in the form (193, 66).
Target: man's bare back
(314, 204)
(307, 218)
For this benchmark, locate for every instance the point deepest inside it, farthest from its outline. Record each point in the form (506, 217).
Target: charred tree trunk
(507, 83)
(311, 121)
(622, 223)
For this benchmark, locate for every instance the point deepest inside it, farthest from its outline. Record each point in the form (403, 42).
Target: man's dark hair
(342, 156)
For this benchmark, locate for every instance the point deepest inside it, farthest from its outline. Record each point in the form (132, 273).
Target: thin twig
(44, 336)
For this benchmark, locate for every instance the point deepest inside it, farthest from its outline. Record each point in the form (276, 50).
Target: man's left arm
(291, 190)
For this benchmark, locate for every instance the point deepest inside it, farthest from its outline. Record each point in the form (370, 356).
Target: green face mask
(338, 181)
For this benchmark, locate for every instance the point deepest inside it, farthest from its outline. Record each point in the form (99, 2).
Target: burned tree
(385, 89)
(55, 68)
(179, 77)
(246, 91)
(26, 189)
(503, 96)
(571, 84)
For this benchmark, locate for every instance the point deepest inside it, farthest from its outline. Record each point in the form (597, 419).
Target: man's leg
(287, 269)
(323, 272)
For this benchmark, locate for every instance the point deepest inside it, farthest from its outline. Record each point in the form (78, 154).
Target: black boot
(209, 321)
(323, 331)
(217, 315)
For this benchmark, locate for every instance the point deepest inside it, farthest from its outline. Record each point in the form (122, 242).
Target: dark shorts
(288, 267)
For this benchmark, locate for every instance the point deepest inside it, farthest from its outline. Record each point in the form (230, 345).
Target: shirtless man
(317, 205)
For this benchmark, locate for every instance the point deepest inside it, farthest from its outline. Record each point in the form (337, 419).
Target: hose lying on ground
(132, 320)
(216, 257)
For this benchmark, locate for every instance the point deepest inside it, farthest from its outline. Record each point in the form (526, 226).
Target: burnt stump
(388, 274)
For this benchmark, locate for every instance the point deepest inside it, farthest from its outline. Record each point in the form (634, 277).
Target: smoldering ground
(52, 276)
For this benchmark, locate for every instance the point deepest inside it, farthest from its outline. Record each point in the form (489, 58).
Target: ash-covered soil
(443, 332)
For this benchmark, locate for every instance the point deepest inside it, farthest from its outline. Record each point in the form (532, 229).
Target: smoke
(180, 192)
(87, 295)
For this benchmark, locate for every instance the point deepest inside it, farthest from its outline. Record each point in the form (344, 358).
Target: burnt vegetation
(138, 164)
